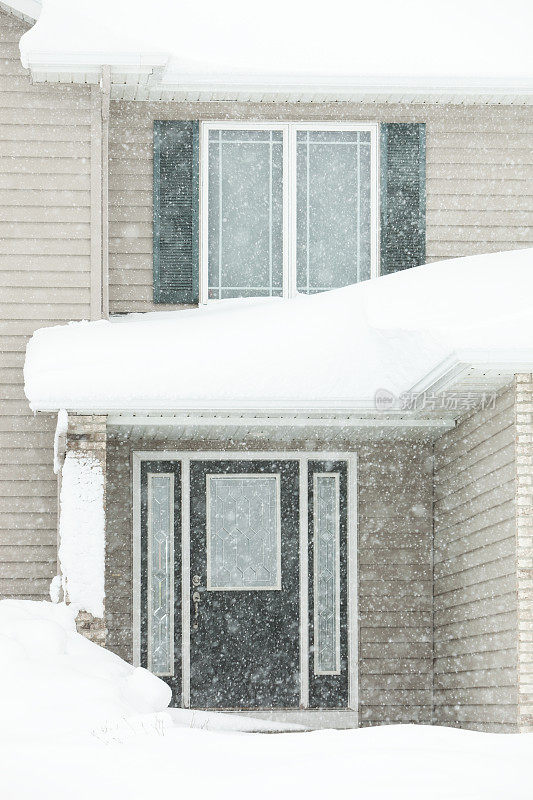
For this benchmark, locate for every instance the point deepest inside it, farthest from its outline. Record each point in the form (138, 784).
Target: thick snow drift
(232, 41)
(78, 722)
(54, 682)
(334, 349)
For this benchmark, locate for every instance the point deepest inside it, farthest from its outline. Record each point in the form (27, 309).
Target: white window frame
(289, 130)
(337, 670)
(276, 586)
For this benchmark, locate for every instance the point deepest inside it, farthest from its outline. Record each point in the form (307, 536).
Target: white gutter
(75, 62)
(368, 85)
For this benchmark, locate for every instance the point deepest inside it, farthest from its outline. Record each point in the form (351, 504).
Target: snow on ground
(333, 349)
(78, 722)
(387, 763)
(55, 682)
(213, 721)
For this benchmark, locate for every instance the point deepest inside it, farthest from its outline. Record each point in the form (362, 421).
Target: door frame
(303, 457)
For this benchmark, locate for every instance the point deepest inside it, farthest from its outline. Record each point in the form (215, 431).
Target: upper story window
(286, 208)
(271, 209)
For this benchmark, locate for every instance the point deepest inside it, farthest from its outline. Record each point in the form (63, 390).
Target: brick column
(524, 547)
(87, 436)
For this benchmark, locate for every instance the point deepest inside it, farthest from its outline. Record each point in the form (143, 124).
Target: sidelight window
(326, 573)
(160, 573)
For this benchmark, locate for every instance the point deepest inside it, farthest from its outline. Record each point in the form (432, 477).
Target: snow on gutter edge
(166, 79)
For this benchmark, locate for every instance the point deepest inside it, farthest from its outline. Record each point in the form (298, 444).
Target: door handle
(196, 601)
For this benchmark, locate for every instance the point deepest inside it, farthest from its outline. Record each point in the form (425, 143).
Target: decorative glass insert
(245, 213)
(160, 573)
(243, 532)
(333, 214)
(326, 573)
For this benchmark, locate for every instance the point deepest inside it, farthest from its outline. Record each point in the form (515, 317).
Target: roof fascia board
(450, 371)
(290, 411)
(461, 85)
(277, 420)
(124, 60)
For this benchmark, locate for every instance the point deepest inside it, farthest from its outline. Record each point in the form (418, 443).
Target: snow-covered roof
(28, 10)
(464, 323)
(448, 51)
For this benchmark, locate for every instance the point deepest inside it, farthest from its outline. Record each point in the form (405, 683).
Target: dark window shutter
(402, 196)
(176, 210)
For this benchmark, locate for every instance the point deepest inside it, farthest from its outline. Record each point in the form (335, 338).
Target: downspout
(96, 203)
(100, 102)
(106, 98)
(60, 449)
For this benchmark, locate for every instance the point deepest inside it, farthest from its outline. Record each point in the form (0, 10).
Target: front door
(257, 615)
(244, 640)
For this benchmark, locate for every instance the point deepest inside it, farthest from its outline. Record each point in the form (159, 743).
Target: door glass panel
(326, 573)
(160, 573)
(333, 209)
(243, 532)
(245, 213)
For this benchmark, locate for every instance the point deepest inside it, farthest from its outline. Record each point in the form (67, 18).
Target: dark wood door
(244, 592)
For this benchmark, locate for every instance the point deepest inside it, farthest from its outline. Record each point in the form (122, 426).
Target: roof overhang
(146, 76)
(187, 53)
(456, 387)
(27, 10)
(472, 371)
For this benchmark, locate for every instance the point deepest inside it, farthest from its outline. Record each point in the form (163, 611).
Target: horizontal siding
(524, 538)
(44, 279)
(395, 589)
(475, 613)
(479, 178)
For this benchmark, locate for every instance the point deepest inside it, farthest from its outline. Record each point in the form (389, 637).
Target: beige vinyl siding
(524, 547)
(479, 177)
(394, 525)
(44, 279)
(394, 565)
(475, 589)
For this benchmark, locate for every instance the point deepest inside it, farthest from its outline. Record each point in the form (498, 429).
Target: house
(306, 504)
